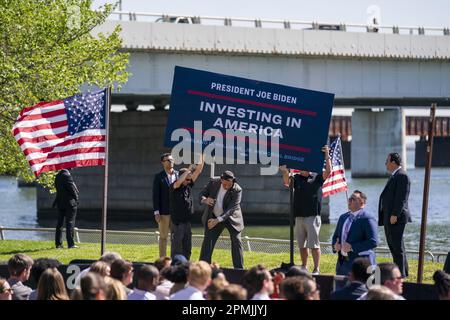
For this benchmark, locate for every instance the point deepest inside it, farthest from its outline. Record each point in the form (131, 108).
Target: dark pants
(181, 239)
(69, 215)
(394, 238)
(211, 237)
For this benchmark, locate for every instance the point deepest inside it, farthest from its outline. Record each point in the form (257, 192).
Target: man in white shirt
(147, 277)
(199, 278)
(258, 282)
(222, 198)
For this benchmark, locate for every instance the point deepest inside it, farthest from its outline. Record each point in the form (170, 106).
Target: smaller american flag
(64, 133)
(336, 181)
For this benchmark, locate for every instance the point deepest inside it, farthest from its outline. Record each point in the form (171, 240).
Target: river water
(18, 209)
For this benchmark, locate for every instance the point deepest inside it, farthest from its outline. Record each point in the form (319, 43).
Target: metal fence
(251, 244)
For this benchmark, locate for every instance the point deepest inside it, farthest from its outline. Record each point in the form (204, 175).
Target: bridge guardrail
(283, 24)
(251, 244)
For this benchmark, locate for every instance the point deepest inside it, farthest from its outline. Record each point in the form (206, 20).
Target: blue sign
(299, 118)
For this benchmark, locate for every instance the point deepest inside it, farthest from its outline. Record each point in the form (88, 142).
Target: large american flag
(336, 181)
(64, 133)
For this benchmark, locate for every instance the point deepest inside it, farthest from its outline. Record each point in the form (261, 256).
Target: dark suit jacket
(394, 199)
(231, 204)
(351, 291)
(161, 189)
(363, 235)
(66, 191)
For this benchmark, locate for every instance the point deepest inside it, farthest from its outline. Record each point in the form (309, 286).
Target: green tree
(49, 50)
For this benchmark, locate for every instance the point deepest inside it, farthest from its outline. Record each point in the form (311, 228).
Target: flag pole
(426, 189)
(105, 186)
(342, 161)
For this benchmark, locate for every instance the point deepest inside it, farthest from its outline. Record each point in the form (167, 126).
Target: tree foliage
(49, 50)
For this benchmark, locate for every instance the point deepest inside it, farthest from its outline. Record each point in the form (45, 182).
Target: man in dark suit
(355, 235)
(222, 197)
(66, 201)
(358, 278)
(161, 208)
(393, 211)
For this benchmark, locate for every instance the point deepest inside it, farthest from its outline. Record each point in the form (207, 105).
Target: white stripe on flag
(40, 133)
(83, 156)
(32, 123)
(89, 144)
(335, 186)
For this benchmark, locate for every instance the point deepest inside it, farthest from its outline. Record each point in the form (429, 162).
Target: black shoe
(73, 247)
(59, 247)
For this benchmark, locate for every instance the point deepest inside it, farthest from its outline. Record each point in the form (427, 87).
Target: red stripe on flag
(334, 191)
(52, 125)
(66, 153)
(41, 105)
(42, 138)
(334, 182)
(71, 164)
(64, 143)
(45, 115)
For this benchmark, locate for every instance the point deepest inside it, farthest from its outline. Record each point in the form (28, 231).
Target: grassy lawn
(148, 253)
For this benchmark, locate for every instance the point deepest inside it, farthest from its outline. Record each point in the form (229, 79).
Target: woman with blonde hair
(51, 286)
(100, 267)
(114, 290)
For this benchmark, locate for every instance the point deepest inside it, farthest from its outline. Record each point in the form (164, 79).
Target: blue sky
(432, 13)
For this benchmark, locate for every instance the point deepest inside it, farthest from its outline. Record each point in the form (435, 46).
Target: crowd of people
(112, 278)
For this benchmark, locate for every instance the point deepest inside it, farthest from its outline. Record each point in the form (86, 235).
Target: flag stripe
(336, 181)
(32, 123)
(47, 146)
(41, 106)
(50, 114)
(39, 153)
(41, 130)
(334, 191)
(71, 164)
(66, 153)
(83, 156)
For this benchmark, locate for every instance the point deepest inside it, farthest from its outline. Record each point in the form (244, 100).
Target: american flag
(336, 181)
(64, 133)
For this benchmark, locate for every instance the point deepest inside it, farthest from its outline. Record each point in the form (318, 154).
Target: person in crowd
(299, 288)
(199, 277)
(39, 266)
(162, 291)
(217, 284)
(92, 287)
(101, 267)
(181, 204)
(298, 271)
(148, 278)
(66, 201)
(222, 200)
(123, 271)
(108, 257)
(307, 209)
(51, 286)
(19, 267)
(233, 292)
(356, 234)
(258, 283)
(217, 273)
(162, 262)
(391, 278)
(377, 292)
(442, 284)
(358, 278)
(114, 289)
(178, 275)
(161, 207)
(5, 290)
(393, 210)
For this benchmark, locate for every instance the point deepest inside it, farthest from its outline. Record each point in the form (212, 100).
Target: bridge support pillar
(374, 136)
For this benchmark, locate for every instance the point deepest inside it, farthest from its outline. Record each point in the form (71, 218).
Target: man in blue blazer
(356, 234)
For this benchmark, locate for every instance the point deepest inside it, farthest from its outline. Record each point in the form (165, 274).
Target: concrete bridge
(365, 70)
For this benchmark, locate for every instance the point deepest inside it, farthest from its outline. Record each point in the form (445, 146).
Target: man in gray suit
(222, 197)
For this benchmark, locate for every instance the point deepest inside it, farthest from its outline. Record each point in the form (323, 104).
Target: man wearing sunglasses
(355, 235)
(161, 186)
(182, 208)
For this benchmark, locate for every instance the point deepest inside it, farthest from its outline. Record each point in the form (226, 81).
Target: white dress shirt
(395, 171)
(259, 296)
(218, 206)
(162, 291)
(188, 293)
(138, 294)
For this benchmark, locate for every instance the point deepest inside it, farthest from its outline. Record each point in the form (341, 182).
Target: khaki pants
(163, 228)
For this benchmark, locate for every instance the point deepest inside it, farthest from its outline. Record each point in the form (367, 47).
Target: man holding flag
(307, 208)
